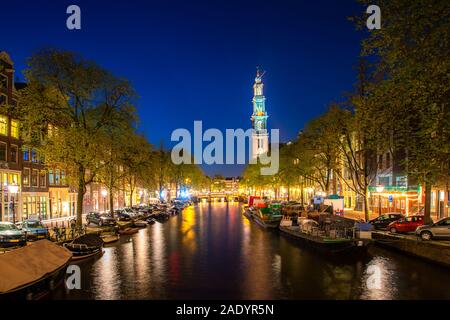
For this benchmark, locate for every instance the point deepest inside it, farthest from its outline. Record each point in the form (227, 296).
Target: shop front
(62, 202)
(395, 199)
(10, 195)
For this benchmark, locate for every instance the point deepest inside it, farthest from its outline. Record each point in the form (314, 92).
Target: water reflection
(212, 252)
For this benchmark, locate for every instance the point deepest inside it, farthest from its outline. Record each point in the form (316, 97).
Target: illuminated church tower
(260, 136)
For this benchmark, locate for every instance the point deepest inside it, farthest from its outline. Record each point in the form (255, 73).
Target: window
(15, 129)
(380, 162)
(63, 177)
(26, 177)
(3, 81)
(26, 155)
(42, 179)
(51, 179)
(2, 151)
(388, 160)
(34, 178)
(2, 99)
(34, 156)
(3, 125)
(14, 153)
(57, 177)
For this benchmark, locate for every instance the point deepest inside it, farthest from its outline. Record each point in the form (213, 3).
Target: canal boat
(269, 217)
(128, 231)
(33, 271)
(85, 246)
(150, 220)
(331, 238)
(140, 224)
(248, 212)
(110, 238)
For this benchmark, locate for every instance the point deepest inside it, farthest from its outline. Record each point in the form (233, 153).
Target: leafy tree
(410, 54)
(78, 101)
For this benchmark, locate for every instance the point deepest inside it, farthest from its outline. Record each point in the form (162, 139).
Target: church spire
(259, 116)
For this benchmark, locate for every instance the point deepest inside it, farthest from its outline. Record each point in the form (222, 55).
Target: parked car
(34, 229)
(122, 215)
(407, 224)
(438, 230)
(11, 236)
(383, 221)
(100, 219)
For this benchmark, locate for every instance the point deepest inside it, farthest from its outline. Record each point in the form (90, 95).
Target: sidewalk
(353, 214)
(357, 215)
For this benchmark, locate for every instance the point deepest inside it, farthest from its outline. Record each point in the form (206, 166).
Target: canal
(213, 252)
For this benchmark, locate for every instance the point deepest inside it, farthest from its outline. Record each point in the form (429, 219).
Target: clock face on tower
(258, 125)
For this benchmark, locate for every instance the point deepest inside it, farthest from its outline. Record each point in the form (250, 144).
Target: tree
(411, 58)
(67, 107)
(136, 158)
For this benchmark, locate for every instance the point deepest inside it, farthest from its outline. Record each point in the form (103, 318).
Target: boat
(128, 231)
(110, 238)
(34, 271)
(150, 220)
(269, 217)
(248, 212)
(160, 216)
(335, 237)
(86, 246)
(140, 224)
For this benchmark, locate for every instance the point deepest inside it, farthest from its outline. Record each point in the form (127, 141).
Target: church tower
(260, 136)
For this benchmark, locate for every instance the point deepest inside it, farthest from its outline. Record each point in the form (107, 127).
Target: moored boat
(269, 217)
(128, 231)
(32, 272)
(140, 224)
(332, 238)
(85, 246)
(110, 238)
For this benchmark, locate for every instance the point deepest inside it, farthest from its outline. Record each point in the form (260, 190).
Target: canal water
(213, 252)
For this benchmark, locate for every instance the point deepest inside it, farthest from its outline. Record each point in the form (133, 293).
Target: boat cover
(29, 264)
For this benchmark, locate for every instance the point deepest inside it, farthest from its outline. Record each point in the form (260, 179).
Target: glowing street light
(13, 189)
(104, 194)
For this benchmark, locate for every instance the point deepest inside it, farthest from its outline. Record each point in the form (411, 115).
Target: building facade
(10, 144)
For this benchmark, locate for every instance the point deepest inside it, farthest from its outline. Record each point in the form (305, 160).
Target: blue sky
(196, 60)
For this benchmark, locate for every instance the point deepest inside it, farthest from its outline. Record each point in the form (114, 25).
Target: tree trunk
(131, 198)
(366, 207)
(111, 202)
(427, 213)
(80, 195)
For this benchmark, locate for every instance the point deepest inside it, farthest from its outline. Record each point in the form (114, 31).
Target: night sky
(196, 60)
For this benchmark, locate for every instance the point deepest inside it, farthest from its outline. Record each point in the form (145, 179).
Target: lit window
(34, 157)
(63, 177)
(26, 155)
(51, 179)
(15, 129)
(34, 178)
(42, 179)
(26, 177)
(57, 176)
(4, 125)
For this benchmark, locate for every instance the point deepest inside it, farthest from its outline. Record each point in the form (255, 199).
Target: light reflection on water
(212, 252)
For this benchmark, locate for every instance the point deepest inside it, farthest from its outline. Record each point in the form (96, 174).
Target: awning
(30, 264)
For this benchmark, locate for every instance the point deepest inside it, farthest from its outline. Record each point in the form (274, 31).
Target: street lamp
(379, 189)
(13, 189)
